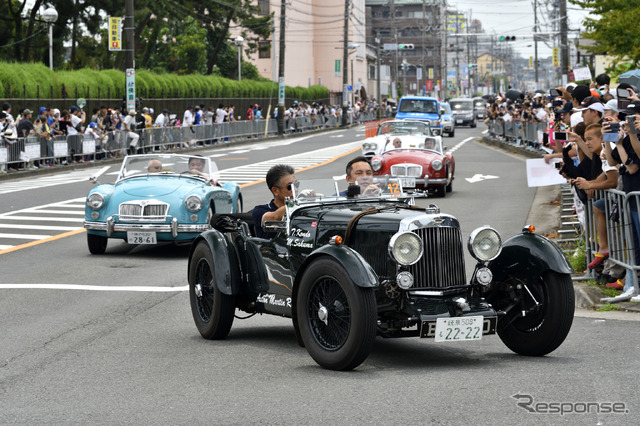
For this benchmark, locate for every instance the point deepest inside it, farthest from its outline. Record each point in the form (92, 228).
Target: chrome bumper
(425, 181)
(110, 226)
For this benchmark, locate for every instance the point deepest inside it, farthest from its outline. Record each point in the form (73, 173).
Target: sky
(516, 18)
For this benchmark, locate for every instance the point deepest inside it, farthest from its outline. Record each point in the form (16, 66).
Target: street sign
(115, 34)
(390, 46)
(130, 75)
(337, 68)
(281, 91)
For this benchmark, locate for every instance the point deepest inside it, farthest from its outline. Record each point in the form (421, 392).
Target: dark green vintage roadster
(348, 268)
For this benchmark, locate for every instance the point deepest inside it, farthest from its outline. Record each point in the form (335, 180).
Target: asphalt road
(135, 357)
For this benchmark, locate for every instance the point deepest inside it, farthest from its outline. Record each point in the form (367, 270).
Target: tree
(615, 30)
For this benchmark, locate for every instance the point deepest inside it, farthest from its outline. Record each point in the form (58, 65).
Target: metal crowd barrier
(25, 152)
(622, 235)
(521, 132)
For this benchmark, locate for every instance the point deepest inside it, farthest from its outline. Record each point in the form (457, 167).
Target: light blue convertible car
(158, 197)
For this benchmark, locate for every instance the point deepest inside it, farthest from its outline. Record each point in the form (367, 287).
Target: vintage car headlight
(193, 203)
(370, 146)
(95, 201)
(376, 164)
(405, 248)
(437, 165)
(485, 244)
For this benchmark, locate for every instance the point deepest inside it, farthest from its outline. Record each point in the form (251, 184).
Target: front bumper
(425, 181)
(175, 228)
(464, 120)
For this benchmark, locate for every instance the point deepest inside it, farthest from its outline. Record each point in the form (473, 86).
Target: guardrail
(622, 235)
(23, 152)
(521, 133)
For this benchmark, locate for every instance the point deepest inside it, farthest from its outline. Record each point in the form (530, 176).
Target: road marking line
(38, 227)
(46, 240)
(151, 289)
(24, 236)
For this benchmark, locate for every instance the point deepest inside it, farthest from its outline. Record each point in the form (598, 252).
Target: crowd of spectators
(591, 135)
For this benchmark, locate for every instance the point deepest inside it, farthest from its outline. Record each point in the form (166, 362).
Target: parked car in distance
(348, 269)
(447, 120)
(157, 197)
(463, 113)
(418, 162)
(479, 104)
(421, 108)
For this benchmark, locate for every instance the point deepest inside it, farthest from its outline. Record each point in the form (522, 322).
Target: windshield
(404, 127)
(461, 105)
(418, 105)
(398, 143)
(479, 103)
(338, 189)
(168, 164)
(445, 109)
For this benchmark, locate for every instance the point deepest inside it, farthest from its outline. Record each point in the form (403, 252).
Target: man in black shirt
(25, 126)
(280, 181)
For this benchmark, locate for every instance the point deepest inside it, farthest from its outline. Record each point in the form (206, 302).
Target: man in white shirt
(129, 125)
(162, 120)
(220, 114)
(77, 119)
(187, 118)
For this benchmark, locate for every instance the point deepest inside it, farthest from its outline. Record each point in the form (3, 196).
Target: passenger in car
(429, 143)
(280, 181)
(154, 166)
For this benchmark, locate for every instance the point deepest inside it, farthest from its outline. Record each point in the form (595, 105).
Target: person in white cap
(611, 109)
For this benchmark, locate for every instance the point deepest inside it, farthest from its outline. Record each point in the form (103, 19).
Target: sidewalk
(545, 215)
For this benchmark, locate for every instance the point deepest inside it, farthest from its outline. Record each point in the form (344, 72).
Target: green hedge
(18, 76)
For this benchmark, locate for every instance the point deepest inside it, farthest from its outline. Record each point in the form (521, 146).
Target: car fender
(529, 254)
(226, 268)
(234, 190)
(360, 271)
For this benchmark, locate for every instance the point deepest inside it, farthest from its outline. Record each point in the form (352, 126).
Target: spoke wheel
(212, 310)
(337, 319)
(542, 329)
(97, 243)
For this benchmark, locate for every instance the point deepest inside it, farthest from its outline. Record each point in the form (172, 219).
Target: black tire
(345, 340)
(541, 332)
(97, 243)
(238, 205)
(452, 133)
(473, 124)
(212, 310)
(441, 191)
(450, 187)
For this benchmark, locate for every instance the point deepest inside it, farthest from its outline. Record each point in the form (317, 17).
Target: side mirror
(275, 225)
(94, 180)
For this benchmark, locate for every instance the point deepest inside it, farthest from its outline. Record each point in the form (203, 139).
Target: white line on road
(151, 289)
(25, 236)
(456, 147)
(38, 227)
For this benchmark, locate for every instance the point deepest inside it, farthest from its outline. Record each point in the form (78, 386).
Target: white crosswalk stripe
(73, 176)
(257, 171)
(37, 223)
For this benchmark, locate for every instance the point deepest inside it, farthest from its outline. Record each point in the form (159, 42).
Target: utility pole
(378, 59)
(535, 40)
(422, 83)
(564, 45)
(345, 67)
(281, 86)
(129, 34)
(394, 71)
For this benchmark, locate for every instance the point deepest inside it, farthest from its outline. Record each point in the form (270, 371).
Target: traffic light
(507, 38)
(408, 46)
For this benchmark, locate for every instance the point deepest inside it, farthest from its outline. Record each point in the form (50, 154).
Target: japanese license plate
(458, 121)
(459, 328)
(134, 237)
(408, 182)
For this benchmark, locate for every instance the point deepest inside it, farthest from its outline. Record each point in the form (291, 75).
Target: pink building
(314, 45)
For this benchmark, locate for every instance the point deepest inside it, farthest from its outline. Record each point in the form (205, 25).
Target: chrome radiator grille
(143, 211)
(442, 264)
(409, 170)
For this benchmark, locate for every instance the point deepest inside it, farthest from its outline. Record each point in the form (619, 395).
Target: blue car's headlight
(193, 203)
(95, 201)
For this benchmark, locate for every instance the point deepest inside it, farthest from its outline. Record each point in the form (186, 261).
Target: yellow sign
(530, 61)
(556, 60)
(115, 33)
(430, 73)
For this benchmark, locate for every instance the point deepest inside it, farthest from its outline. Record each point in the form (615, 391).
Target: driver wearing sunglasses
(280, 180)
